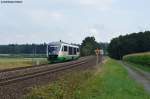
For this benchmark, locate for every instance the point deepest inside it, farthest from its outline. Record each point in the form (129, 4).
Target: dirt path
(140, 76)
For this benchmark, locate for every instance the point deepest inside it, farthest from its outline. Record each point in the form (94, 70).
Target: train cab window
(75, 51)
(65, 48)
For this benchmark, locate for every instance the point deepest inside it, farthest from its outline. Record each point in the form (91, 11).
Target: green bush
(139, 58)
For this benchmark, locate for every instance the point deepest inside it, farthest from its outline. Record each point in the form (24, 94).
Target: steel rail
(33, 66)
(14, 79)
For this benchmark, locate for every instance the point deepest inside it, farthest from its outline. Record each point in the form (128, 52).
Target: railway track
(20, 74)
(28, 67)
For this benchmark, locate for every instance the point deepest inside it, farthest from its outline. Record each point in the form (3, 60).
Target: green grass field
(108, 81)
(139, 60)
(6, 63)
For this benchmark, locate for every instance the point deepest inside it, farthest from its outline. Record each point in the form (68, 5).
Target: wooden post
(97, 51)
(101, 56)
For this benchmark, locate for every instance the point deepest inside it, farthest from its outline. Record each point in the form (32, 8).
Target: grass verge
(142, 67)
(109, 81)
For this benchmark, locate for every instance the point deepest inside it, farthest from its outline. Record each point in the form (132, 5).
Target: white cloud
(91, 31)
(56, 15)
(42, 16)
(98, 32)
(100, 4)
(94, 31)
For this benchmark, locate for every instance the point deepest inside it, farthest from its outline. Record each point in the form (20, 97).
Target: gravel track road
(139, 75)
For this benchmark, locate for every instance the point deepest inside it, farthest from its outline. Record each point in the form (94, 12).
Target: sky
(39, 21)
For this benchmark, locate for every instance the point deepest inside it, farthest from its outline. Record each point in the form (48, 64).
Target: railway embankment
(106, 81)
(17, 82)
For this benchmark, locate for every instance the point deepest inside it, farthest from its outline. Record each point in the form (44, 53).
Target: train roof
(60, 43)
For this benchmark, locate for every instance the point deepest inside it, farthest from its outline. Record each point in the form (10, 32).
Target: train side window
(65, 48)
(70, 50)
(75, 51)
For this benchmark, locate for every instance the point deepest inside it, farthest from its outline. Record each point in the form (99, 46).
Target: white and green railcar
(60, 51)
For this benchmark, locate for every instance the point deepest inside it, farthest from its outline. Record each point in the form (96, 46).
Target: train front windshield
(53, 50)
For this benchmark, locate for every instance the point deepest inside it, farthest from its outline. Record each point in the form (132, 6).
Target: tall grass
(139, 58)
(66, 87)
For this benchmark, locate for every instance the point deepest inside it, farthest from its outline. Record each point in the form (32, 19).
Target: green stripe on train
(62, 58)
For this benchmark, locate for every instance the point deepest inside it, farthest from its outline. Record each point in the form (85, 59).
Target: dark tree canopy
(23, 49)
(88, 46)
(131, 43)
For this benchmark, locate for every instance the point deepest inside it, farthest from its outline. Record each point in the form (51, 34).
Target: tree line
(23, 49)
(88, 46)
(130, 43)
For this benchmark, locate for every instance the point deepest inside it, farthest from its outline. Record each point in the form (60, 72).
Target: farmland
(20, 60)
(140, 60)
